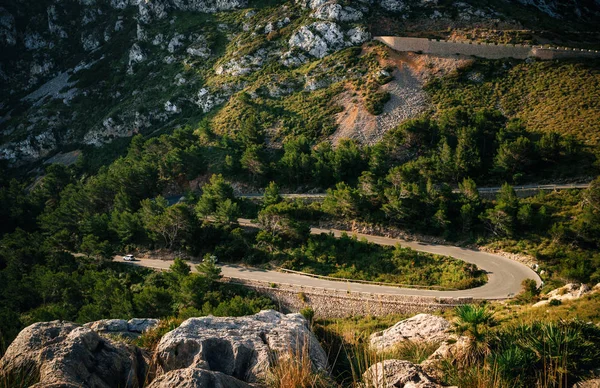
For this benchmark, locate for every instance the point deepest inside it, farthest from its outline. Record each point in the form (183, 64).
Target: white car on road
(129, 258)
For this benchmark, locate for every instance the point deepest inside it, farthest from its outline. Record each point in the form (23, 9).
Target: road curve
(504, 275)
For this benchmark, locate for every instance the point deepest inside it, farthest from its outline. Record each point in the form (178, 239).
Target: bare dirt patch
(407, 97)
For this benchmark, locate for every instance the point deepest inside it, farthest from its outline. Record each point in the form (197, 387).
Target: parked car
(129, 258)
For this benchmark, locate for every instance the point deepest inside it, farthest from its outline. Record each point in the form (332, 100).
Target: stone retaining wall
(332, 303)
(483, 50)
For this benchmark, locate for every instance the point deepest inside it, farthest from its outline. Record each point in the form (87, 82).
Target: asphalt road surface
(504, 275)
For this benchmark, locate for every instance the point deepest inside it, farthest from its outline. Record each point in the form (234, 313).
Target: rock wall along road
(483, 50)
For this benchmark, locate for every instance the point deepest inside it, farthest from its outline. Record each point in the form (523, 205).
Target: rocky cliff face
(202, 352)
(91, 71)
(88, 72)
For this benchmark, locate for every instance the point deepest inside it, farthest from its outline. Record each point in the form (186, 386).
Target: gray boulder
(421, 327)
(140, 325)
(457, 349)
(393, 5)
(68, 355)
(312, 4)
(196, 378)
(131, 329)
(108, 325)
(398, 374)
(243, 347)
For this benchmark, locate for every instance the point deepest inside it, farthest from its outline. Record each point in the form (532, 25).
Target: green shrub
(308, 313)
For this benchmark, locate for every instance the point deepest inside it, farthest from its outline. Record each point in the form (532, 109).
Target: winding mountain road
(504, 275)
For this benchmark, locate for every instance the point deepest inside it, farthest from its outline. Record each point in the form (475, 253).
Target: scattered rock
(89, 42)
(453, 349)
(68, 355)
(393, 5)
(569, 291)
(244, 65)
(293, 59)
(206, 100)
(136, 55)
(336, 12)
(241, 347)
(199, 51)
(398, 374)
(8, 31)
(421, 327)
(312, 4)
(175, 42)
(34, 41)
(196, 378)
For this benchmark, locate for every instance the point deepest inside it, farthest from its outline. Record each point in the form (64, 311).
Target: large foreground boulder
(398, 374)
(196, 378)
(243, 347)
(68, 355)
(421, 327)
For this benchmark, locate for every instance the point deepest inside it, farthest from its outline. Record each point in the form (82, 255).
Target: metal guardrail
(532, 187)
(399, 285)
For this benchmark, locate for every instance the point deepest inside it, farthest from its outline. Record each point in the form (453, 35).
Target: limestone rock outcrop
(68, 355)
(567, 292)
(322, 38)
(243, 347)
(398, 374)
(157, 10)
(421, 327)
(337, 12)
(196, 378)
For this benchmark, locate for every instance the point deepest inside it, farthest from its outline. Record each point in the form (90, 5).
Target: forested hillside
(134, 128)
